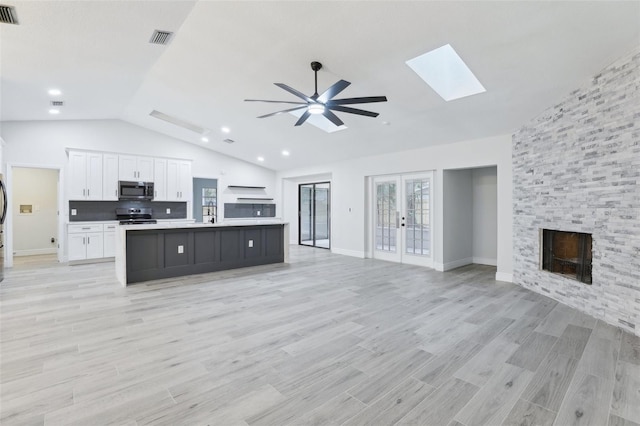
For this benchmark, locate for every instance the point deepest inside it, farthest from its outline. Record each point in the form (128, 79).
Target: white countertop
(239, 222)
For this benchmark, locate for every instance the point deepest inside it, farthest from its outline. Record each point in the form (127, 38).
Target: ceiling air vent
(8, 15)
(57, 103)
(228, 140)
(161, 37)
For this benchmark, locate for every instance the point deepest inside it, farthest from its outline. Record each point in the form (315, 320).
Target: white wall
(33, 232)
(485, 215)
(43, 143)
(349, 201)
(457, 218)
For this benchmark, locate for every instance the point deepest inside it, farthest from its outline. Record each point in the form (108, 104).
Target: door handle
(397, 220)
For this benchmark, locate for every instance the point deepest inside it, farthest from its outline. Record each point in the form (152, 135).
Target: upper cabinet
(95, 175)
(109, 177)
(160, 179)
(178, 180)
(134, 168)
(85, 171)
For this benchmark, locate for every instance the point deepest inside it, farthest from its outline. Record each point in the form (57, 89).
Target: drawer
(75, 229)
(110, 227)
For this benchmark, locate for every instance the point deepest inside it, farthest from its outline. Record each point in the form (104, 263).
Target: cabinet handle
(83, 192)
(87, 228)
(116, 192)
(87, 192)
(88, 240)
(83, 240)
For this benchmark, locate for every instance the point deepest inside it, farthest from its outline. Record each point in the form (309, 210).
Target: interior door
(402, 218)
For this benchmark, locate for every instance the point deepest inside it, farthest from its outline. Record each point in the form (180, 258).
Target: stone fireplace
(576, 168)
(567, 253)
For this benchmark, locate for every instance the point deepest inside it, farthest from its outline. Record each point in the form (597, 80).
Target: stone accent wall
(576, 167)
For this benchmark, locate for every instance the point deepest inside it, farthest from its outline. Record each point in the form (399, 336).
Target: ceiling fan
(323, 104)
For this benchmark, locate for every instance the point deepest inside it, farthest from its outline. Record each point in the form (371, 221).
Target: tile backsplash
(106, 210)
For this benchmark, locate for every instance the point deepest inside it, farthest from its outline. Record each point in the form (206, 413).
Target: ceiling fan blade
(275, 102)
(364, 100)
(332, 117)
(294, 92)
(303, 118)
(333, 90)
(353, 110)
(283, 111)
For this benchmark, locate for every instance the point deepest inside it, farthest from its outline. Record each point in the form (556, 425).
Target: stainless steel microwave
(141, 191)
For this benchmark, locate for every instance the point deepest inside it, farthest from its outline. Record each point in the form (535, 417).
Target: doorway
(314, 214)
(402, 217)
(34, 226)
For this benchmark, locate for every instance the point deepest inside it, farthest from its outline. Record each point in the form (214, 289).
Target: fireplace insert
(567, 254)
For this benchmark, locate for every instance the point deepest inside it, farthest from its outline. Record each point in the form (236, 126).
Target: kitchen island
(164, 250)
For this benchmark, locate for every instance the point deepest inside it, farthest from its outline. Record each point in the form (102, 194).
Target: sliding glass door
(314, 211)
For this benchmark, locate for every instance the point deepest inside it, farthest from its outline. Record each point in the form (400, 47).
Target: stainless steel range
(135, 216)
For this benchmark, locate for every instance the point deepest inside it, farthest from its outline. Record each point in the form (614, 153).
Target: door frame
(313, 214)
(8, 252)
(400, 256)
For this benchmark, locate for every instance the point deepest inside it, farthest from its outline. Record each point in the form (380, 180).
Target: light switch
(168, 211)
(180, 249)
(74, 212)
(250, 243)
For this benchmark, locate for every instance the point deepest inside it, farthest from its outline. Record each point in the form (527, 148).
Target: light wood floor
(326, 339)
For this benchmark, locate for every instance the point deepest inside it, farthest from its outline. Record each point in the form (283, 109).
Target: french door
(314, 212)
(402, 218)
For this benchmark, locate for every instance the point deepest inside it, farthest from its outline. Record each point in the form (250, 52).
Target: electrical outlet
(74, 212)
(180, 249)
(168, 211)
(258, 212)
(250, 243)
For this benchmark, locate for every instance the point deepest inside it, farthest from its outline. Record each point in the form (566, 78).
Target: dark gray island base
(152, 253)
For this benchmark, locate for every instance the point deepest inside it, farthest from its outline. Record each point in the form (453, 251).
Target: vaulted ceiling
(527, 55)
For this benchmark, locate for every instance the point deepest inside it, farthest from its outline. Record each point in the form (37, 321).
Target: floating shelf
(255, 198)
(246, 187)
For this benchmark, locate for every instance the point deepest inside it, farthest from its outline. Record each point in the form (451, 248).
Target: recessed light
(446, 73)
(55, 92)
(54, 111)
(285, 153)
(225, 129)
(204, 139)
(260, 158)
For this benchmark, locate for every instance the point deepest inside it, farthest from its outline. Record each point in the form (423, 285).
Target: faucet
(210, 212)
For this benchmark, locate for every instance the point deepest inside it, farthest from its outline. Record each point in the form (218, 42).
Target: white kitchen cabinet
(135, 168)
(85, 241)
(179, 180)
(110, 177)
(160, 179)
(109, 240)
(85, 171)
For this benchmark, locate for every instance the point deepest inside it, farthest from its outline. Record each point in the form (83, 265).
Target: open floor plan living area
(356, 213)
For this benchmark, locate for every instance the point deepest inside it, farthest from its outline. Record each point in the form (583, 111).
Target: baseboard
(344, 252)
(35, 252)
(504, 276)
(457, 263)
(485, 261)
(438, 266)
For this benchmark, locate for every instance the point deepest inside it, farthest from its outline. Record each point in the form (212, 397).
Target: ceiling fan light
(316, 109)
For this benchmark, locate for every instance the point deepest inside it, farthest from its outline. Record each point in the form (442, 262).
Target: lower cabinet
(109, 240)
(165, 253)
(90, 241)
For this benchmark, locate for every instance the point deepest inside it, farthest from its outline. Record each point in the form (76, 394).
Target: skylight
(319, 121)
(446, 73)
